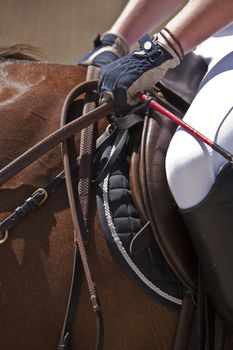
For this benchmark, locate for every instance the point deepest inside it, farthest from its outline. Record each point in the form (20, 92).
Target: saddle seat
(149, 186)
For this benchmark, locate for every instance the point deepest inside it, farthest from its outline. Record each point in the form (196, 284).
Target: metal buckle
(5, 237)
(43, 192)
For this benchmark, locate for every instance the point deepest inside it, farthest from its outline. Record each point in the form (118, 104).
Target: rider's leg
(203, 186)
(191, 165)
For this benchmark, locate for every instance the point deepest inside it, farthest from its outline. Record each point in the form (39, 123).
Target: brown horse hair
(20, 52)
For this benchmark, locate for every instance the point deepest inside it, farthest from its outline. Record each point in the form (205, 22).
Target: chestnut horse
(36, 260)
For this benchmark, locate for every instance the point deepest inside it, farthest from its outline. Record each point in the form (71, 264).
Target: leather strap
(184, 337)
(79, 206)
(39, 196)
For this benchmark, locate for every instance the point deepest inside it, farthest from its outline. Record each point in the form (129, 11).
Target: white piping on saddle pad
(123, 251)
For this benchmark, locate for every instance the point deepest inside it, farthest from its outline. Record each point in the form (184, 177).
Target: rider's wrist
(157, 51)
(167, 40)
(120, 44)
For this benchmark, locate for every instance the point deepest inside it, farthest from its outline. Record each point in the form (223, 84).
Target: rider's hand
(107, 48)
(137, 71)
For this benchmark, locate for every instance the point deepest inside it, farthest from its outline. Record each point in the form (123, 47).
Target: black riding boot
(210, 225)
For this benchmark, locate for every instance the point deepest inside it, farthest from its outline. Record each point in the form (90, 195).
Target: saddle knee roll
(210, 225)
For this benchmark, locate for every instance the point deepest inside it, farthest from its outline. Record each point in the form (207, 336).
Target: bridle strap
(61, 134)
(40, 195)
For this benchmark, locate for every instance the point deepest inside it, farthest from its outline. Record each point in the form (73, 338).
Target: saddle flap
(176, 92)
(167, 224)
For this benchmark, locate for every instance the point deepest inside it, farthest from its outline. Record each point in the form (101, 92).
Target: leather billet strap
(61, 134)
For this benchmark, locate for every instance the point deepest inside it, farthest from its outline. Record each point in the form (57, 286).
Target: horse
(36, 260)
(37, 256)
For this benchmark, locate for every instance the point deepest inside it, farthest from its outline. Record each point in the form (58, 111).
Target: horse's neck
(31, 99)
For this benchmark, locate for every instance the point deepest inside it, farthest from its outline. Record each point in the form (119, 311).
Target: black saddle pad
(120, 222)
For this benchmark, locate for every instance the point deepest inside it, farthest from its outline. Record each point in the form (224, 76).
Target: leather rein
(79, 204)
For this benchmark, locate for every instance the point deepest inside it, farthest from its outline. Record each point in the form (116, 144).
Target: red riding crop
(155, 105)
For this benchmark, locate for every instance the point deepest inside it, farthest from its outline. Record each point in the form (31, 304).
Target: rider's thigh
(191, 165)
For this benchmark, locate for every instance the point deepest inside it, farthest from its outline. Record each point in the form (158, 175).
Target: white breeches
(191, 165)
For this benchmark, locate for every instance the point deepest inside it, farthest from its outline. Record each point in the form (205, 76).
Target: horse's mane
(20, 52)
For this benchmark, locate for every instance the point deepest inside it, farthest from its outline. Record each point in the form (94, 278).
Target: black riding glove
(139, 70)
